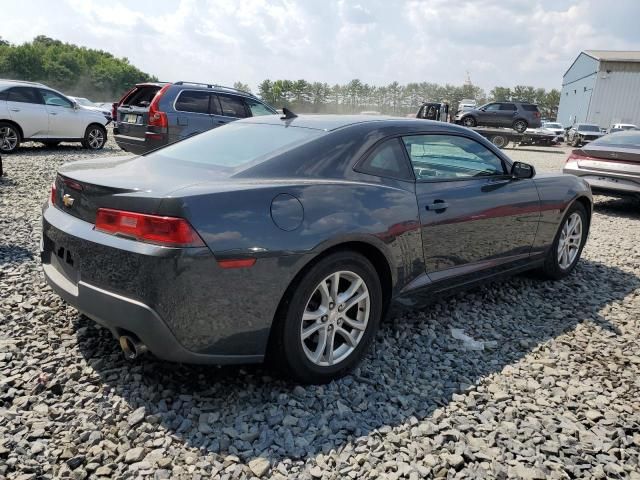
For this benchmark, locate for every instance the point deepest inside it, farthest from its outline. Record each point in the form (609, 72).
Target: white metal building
(601, 87)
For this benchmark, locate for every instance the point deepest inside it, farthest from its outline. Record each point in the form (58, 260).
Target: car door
(475, 218)
(65, 120)
(487, 115)
(231, 108)
(505, 115)
(27, 110)
(193, 116)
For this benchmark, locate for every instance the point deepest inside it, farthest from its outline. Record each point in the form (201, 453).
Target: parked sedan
(292, 236)
(611, 164)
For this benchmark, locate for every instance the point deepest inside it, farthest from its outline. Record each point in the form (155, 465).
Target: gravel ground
(555, 393)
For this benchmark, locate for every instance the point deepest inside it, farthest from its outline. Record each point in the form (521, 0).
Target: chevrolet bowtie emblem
(67, 200)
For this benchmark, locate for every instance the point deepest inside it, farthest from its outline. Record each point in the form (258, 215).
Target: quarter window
(23, 95)
(257, 108)
(508, 106)
(232, 106)
(193, 101)
(449, 157)
(53, 99)
(387, 160)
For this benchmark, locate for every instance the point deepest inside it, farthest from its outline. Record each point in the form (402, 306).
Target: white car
(88, 104)
(554, 127)
(34, 112)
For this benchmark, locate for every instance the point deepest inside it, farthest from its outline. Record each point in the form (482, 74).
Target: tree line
(74, 70)
(394, 99)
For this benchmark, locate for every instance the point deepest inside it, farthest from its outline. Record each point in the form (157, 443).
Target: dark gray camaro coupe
(292, 236)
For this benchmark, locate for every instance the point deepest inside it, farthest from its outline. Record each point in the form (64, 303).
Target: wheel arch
(16, 125)
(371, 252)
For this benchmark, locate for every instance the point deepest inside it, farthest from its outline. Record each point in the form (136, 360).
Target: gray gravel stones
(556, 396)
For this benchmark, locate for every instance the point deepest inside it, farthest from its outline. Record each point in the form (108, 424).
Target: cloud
(500, 42)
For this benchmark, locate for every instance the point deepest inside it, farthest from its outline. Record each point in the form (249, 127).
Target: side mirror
(522, 170)
(76, 105)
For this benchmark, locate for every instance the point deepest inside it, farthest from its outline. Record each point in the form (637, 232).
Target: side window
(193, 101)
(232, 106)
(492, 107)
(449, 157)
(387, 160)
(24, 95)
(257, 108)
(55, 100)
(508, 106)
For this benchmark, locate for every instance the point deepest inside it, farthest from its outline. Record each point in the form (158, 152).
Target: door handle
(15, 109)
(437, 206)
(52, 113)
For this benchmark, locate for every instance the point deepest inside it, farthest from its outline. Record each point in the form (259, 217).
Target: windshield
(630, 139)
(236, 144)
(588, 128)
(552, 125)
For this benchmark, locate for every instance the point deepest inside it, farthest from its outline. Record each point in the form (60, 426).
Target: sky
(499, 42)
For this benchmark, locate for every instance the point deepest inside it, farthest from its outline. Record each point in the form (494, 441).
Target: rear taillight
(114, 111)
(169, 231)
(54, 192)
(536, 114)
(576, 155)
(156, 117)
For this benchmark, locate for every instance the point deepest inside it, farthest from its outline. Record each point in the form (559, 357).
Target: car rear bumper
(158, 294)
(602, 183)
(137, 145)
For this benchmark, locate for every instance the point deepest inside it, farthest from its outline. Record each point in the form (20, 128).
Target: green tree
(242, 86)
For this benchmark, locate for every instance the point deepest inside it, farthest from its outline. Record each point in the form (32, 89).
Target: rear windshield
(626, 139)
(530, 108)
(141, 96)
(588, 128)
(236, 144)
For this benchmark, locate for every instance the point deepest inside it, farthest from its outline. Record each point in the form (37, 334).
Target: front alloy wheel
(335, 318)
(469, 121)
(328, 318)
(570, 241)
(95, 137)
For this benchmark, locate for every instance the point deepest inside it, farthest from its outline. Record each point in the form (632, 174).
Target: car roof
(20, 83)
(330, 123)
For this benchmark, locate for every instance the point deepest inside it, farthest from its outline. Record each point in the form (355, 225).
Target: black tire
(95, 137)
(520, 126)
(551, 268)
(10, 137)
(500, 141)
(575, 142)
(469, 121)
(287, 345)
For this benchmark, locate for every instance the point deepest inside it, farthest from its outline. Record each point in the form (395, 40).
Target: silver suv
(34, 112)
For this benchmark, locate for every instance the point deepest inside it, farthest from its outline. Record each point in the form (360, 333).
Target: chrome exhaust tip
(131, 347)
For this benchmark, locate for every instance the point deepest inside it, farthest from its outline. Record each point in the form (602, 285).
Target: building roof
(614, 55)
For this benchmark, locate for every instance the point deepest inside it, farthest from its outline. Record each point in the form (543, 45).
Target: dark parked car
(292, 237)
(582, 133)
(516, 115)
(152, 115)
(611, 164)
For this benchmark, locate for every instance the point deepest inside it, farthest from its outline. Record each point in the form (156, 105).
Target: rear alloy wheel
(95, 137)
(520, 126)
(469, 121)
(568, 244)
(331, 318)
(9, 138)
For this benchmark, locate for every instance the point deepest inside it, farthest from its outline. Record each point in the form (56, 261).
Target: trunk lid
(616, 159)
(133, 110)
(131, 183)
